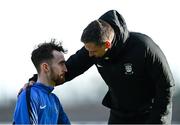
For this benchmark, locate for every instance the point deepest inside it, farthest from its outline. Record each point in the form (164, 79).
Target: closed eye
(62, 62)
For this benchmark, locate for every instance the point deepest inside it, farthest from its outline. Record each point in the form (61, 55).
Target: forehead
(91, 46)
(58, 55)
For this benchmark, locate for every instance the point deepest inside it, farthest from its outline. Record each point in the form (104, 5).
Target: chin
(60, 81)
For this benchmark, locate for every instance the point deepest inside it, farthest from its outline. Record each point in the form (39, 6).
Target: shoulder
(144, 40)
(55, 97)
(33, 93)
(22, 95)
(21, 100)
(33, 90)
(140, 37)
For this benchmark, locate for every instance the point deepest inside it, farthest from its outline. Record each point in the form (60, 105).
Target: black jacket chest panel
(127, 70)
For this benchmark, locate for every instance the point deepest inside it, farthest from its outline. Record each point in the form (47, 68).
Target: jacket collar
(44, 88)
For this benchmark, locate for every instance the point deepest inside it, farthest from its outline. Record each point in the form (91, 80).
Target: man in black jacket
(134, 68)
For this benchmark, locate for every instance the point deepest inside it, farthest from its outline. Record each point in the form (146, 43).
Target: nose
(65, 68)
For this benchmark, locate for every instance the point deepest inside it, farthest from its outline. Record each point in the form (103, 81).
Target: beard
(57, 78)
(60, 79)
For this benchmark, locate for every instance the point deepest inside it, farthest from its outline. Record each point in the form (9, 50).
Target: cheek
(58, 69)
(55, 69)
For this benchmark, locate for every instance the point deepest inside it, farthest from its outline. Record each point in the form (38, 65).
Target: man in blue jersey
(37, 104)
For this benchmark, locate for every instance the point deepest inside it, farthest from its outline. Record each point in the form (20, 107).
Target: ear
(45, 67)
(108, 44)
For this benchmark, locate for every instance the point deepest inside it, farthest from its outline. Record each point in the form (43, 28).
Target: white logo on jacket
(42, 107)
(128, 69)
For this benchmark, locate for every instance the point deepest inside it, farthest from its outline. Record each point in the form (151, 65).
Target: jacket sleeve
(159, 73)
(21, 115)
(78, 64)
(62, 117)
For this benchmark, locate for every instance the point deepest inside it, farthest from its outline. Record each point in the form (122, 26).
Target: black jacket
(135, 69)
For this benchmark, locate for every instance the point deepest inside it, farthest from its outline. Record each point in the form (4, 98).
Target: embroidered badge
(128, 69)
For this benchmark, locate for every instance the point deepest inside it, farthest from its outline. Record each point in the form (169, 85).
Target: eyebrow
(61, 62)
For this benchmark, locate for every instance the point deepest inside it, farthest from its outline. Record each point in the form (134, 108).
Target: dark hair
(98, 31)
(43, 52)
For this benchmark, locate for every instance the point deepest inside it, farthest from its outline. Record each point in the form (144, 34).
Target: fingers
(31, 83)
(25, 86)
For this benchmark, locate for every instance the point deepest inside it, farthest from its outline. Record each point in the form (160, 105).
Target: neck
(45, 80)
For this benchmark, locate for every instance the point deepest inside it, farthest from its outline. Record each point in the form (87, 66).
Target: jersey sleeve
(21, 115)
(26, 109)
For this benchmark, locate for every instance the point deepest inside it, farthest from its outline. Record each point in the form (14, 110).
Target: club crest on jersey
(128, 69)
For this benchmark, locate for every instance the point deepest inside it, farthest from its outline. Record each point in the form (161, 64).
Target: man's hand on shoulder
(32, 80)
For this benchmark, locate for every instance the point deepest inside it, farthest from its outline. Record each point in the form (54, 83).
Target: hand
(25, 86)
